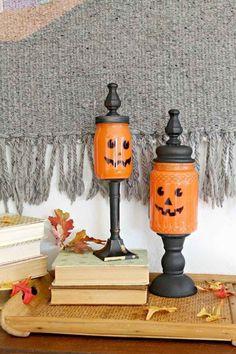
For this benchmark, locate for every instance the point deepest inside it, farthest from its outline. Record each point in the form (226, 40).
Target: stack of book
(20, 257)
(85, 279)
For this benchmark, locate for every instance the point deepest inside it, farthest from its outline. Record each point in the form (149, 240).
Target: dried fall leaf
(218, 288)
(95, 240)
(203, 313)
(202, 289)
(154, 309)
(79, 244)
(62, 224)
(223, 292)
(214, 285)
(78, 237)
(215, 315)
(79, 247)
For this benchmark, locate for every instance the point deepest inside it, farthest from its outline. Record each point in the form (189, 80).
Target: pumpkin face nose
(168, 202)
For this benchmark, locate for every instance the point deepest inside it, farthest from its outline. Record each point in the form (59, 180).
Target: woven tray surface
(8, 220)
(187, 309)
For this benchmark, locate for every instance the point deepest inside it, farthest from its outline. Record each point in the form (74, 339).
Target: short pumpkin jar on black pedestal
(173, 209)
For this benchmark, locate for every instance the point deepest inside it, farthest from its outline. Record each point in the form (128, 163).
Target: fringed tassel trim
(27, 165)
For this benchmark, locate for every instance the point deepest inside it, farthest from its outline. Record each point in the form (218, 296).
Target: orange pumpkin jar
(173, 185)
(173, 198)
(112, 151)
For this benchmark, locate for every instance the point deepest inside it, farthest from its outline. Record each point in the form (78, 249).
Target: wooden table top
(52, 344)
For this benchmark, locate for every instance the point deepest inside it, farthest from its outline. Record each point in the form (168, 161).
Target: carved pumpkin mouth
(118, 162)
(168, 211)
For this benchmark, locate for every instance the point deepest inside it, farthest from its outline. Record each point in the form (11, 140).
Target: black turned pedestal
(173, 283)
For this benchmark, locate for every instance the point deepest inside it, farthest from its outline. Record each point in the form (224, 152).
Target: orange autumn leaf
(62, 223)
(218, 288)
(79, 243)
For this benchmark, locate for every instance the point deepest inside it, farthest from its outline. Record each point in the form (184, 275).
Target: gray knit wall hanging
(56, 58)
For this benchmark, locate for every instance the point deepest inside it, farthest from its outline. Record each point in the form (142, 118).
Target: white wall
(211, 249)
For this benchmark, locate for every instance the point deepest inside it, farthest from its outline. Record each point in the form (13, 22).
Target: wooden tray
(123, 321)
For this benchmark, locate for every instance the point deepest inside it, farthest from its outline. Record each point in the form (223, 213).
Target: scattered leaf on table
(202, 289)
(215, 315)
(154, 309)
(218, 288)
(214, 285)
(223, 292)
(203, 313)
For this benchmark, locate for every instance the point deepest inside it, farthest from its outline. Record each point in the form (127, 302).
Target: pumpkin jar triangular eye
(178, 192)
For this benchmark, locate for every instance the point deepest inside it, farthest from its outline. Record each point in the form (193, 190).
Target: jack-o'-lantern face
(113, 151)
(169, 206)
(173, 198)
(117, 157)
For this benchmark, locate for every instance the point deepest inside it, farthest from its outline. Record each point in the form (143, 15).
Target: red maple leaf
(222, 293)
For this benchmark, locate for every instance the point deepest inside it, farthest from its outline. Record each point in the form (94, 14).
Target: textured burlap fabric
(56, 60)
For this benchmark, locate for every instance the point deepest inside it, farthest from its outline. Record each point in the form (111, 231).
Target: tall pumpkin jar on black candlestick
(113, 162)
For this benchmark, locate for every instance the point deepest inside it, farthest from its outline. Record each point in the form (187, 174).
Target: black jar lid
(173, 151)
(112, 103)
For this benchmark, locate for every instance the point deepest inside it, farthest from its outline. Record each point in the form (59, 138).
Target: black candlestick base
(173, 283)
(114, 250)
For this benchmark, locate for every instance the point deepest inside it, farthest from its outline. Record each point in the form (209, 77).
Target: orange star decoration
(215, 315)
(154, 309)
(61, 229)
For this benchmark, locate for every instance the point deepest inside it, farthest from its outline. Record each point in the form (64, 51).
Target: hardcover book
(86, 269)
(18, 251)
(17, 228)
(33, 267)
(99, 295)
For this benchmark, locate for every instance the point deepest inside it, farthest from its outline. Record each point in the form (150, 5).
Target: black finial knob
(173, 151)
(112, 102)
(173, 128)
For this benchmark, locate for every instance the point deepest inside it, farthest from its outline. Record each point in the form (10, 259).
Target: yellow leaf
(201, 288)
(154, 309)
(215, 315)
(214, 285)
(217, 308)
(78, 237)
(212, 318)
(203, 313)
